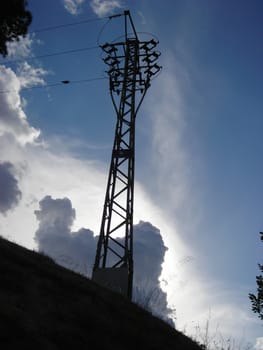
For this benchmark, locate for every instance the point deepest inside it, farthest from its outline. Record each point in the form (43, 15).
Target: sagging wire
(66, 25)
(60, 83)
(59, 53)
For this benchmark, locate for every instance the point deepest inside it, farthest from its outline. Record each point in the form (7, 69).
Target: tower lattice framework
(132, 64)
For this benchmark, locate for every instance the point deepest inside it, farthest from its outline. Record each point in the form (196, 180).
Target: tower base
(115, 279)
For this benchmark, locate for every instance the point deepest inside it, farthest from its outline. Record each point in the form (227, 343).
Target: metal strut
(131, 66)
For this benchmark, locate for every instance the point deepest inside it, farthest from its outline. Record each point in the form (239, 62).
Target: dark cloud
(76, 250)
(9, 191)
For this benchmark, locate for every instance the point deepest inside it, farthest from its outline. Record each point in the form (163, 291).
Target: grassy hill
(45, 306)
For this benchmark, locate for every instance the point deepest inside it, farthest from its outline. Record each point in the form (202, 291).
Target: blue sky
(198, 142)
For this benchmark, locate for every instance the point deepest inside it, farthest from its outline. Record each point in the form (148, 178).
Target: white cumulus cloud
(73, 6)
(104, 7)
(29, 75)
(259, 343)
(21, 48)
(13, 119)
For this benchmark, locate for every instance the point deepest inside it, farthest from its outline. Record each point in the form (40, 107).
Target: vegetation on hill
(257, 300)
(45, 306)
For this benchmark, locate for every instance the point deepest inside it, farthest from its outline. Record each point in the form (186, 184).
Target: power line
(88, 20)
(66, 25)
(60, 83)
(59, 53)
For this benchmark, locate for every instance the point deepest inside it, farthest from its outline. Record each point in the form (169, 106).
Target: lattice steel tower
(132, 64)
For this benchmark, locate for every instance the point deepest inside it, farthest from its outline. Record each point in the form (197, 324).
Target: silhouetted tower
(132, 64)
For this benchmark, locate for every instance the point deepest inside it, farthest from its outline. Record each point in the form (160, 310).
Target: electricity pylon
(132, 64)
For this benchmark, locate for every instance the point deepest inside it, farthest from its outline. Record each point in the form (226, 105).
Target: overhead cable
(59, 53)
(60, 83)
(66, 25)
(88, 20)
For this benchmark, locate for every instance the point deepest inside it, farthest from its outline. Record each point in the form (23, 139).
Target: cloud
(170, 147)
(104, 7)
(30, 76)
(42, 162)
(259, 343)
(143, 19)
(21, 48)
(13, 119)
(73, 6)
(149, 253)
(43, 166)
(10, 194)
(76, 250)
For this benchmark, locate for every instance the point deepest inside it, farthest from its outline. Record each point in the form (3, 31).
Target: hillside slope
(44, 306)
